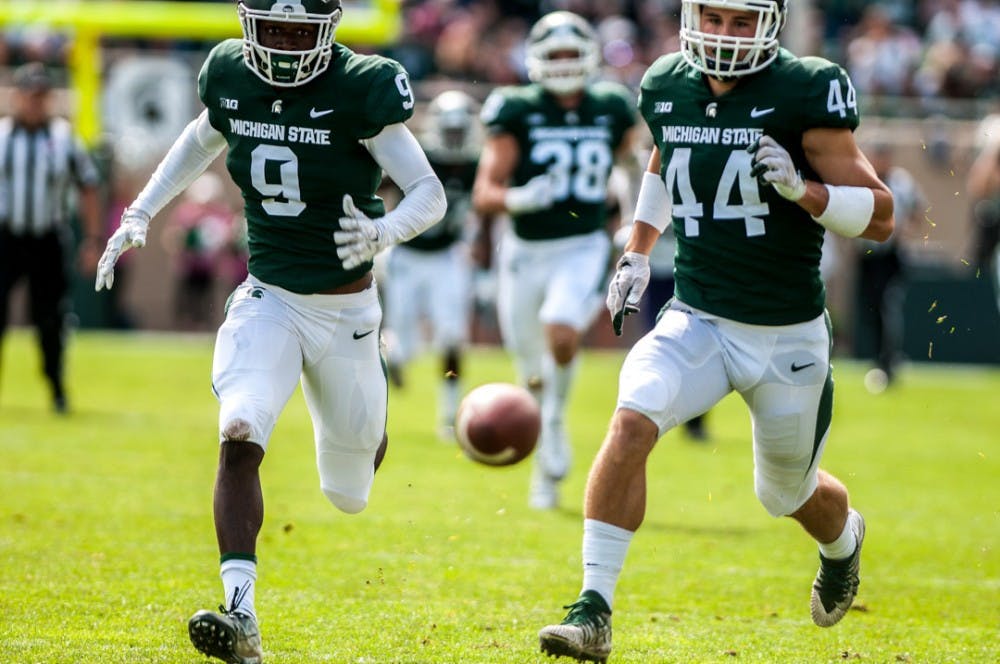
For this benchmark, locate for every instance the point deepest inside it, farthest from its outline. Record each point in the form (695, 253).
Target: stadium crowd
(927, 49)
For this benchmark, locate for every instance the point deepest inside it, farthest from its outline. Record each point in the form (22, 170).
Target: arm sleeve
(197, 146)
(397, 151)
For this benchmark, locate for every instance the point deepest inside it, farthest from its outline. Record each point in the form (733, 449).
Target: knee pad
(345, 503)
(346, 479)
(783, 500)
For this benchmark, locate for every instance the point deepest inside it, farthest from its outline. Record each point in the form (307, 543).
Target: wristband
(652, 205)
(849, 210)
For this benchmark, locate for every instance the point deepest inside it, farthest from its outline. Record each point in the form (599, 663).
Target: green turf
(107, 543)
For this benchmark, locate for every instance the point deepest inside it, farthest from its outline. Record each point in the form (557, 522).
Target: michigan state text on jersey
(746, 253)
(295, 152)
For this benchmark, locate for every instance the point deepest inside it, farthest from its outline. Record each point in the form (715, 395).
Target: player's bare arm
(849, 199)
(836, 157)
(496, 165)
(491, 192)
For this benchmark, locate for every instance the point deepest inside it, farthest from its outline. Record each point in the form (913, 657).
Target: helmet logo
(276, 107)
(711, 110)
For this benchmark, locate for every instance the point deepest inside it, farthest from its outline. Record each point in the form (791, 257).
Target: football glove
(626, 287)
(131, 232)
(359, 238)
(535, 194)
(773, 165)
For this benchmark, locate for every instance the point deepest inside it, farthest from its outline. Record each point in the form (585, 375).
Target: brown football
(498, 424)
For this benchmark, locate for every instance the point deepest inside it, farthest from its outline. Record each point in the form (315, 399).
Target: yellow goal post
(373, 23)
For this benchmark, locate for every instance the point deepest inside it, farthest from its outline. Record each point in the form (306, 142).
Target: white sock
(238, 580)
(604, 549)
(556, 381)
(448, 401)
(841, 547)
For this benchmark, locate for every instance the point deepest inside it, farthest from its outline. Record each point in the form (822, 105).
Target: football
(497, 424)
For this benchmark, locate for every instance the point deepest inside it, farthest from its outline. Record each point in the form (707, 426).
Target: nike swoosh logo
(313, 113)
(361, 335)
(800, 367)
(756, 113)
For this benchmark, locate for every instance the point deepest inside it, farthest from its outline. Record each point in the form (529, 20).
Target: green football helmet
(451, 129)
(727, 57)
(288, 68)
(556, 32)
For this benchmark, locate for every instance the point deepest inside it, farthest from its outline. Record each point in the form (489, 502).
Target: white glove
(535, 194)
(773, 165)
(626, 287)
(359, 237)
(131, 232)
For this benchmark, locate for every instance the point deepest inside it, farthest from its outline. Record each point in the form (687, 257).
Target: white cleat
(553, 453)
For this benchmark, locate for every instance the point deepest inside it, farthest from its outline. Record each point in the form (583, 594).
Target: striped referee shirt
(37, 168)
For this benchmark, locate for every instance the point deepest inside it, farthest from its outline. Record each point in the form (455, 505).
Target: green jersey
(743, 252)
(457, 179)
(295, 152)
(576, 146)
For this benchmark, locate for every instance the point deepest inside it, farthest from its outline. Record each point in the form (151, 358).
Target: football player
(754, 157)
(546, 163)
(307, 127)
(428, 276)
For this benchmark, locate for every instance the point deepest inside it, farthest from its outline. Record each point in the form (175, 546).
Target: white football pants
(271, 339)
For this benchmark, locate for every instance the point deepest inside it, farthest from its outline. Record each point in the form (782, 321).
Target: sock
(448, 400)
(841, 547)
(239, 577)
(604, 549)
(556, 381)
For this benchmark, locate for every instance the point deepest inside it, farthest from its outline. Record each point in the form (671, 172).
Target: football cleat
(544, 493)
(554, 453)
(837, 581)
(230, 636)
(585, 632)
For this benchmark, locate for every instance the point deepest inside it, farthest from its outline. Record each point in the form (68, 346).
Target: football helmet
(451, 130)
(562, 31)
(287, 68)
(724, 56)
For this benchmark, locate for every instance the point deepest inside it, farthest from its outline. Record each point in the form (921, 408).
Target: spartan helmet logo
(276, 107)
(711, 110)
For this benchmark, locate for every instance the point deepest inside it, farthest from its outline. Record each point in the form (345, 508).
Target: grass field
(107, 544)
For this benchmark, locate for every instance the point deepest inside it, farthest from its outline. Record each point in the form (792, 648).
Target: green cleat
(837, 581)
(585, 632)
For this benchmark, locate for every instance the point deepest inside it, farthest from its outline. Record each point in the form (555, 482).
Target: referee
(41, 161)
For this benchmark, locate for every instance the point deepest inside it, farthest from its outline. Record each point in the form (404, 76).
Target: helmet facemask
(451, 131)
(727, 57)
(555, 34)
(287, 68)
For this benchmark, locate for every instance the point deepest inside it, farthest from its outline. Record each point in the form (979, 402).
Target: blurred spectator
(204, 238)
(882, 57)
(42, 163)
(983, 186)
(882, 267)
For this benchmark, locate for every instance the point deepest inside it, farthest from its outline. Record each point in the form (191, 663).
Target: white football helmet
(727, 57)
(451, 129)
(288, 68)
(562, 31)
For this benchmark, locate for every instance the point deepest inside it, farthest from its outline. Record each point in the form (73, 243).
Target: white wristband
(652, 206)
(849, 210)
